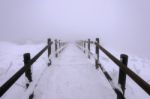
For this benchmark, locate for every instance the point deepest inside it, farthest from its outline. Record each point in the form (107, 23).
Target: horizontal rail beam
(143, 84)
(108, 77)
(17, 75)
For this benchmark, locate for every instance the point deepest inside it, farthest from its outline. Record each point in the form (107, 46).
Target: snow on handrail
(143, 84)
(116, 89)
(27, 66)
(17, 75)
(122, 64)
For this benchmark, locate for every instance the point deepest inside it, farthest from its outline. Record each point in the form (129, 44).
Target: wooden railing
(122, 64)
(59, 46)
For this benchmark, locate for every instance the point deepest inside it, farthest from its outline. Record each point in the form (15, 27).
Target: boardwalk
(73, 76)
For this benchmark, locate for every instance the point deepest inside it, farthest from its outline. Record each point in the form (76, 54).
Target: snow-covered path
(73, 76)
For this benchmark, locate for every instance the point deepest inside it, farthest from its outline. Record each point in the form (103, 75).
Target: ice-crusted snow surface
(71, 76)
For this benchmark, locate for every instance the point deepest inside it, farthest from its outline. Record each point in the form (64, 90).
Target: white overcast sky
(121, 24)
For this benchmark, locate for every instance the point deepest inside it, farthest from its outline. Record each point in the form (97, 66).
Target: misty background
(122, 25)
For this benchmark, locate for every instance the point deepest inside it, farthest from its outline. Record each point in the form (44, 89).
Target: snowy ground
(71, 75)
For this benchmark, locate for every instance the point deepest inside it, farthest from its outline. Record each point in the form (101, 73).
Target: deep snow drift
(72, 75)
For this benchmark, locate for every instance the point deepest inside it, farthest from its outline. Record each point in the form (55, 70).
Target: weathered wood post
(59, 46)
(89, 48)
(122, 75)
(56, 55)
(97, 53)
(84, 45)
(28, 73)
(49, 50)
(59, 43)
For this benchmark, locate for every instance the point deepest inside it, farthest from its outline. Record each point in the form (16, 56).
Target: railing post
(59, 47)
(84, 45)
(122, 75)
(89, 48)
(49, 48)
(28, 73)
(56, 55)
(97, 53)
(49, 51)
(59, 44)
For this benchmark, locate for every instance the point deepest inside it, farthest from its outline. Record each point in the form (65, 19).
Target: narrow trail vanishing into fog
(73, 76)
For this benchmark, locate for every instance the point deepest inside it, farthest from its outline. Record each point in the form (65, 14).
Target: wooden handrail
(143, 84)
(17, 75)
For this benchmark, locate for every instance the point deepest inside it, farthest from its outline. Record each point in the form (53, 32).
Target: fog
(122, 25)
